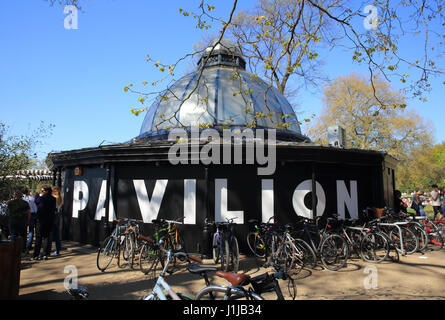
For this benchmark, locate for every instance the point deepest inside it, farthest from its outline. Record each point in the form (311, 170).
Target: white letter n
(344, 198)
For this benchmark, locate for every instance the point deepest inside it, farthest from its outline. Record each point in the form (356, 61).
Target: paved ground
(416, 276)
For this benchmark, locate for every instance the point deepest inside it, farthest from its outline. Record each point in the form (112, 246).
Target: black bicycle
(330, 248)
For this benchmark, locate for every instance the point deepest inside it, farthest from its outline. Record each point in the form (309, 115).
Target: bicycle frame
(161, 285)
(307, 233)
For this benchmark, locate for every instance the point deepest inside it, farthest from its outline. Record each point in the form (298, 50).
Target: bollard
(206, 247)
(10, 260)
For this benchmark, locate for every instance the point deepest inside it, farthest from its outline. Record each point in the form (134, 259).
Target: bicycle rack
(397, 225)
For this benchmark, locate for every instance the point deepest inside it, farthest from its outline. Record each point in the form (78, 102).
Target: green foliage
(424, 167)
(350, 102)
(18, 153)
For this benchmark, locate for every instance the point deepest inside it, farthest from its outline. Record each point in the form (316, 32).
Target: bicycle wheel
(106, 252)
(295, 258)
(435, 238)
(126, 251)
(256, 244)
(234, 255)
(409, 240)
(309, 257)
(334, 252)
(374, 247)
(285, 256)
(148, 257)
(422, 237)
(216, 248)
(225, 256)
(168, 244)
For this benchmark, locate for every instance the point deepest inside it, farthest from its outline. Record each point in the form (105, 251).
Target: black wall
(244, 193)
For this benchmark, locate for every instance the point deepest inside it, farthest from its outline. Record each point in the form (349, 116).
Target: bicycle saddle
(236, 279)
(148, 239)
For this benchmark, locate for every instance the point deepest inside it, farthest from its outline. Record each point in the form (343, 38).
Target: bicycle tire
(256, 244)
(295, 258)
(169, 244)
(234, 256)
(132, 250)
(374, 247)
(435, 238)
(334, 252)
(285, 257)
(147, 258)
(106, 253)
(126, 251)
(422, 237)
(309, 258)
(409, 240)
(216, 248)
(225, 257)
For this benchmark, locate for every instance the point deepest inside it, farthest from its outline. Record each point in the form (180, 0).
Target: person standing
(435, 201)
(415, 202)
(19, 215)
(55, 232)
(32, 222)
(399, 204)
(46, 208)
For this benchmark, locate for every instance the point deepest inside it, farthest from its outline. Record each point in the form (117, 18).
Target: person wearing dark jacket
(19, 216)
(46, 209)
(399, 204)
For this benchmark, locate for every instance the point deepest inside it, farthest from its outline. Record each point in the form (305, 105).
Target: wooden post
(10, 261)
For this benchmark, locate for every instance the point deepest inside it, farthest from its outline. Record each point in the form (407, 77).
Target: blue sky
(74, 79)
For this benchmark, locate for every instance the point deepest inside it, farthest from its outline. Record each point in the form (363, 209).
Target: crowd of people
(418, 200)
(36, 219)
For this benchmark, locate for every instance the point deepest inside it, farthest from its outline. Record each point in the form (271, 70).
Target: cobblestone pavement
(417, 276)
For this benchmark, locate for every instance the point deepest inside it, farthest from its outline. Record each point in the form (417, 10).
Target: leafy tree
(18, 153)
(350, 103)
(286, 39)
(425, 166)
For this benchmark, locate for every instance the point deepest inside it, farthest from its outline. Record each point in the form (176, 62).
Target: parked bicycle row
(306, 243)
(335, 241)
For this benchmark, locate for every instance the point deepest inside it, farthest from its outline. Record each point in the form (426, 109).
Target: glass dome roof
(221, 94)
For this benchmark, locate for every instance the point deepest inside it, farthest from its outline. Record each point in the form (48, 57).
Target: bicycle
(256, 286)
(162, 290)
(365, 241)
(233, 291)
(111, 246)
(225, 245)
(260, 239)
(288, 252)
(401, 238)
(435, 230)
(330, 248)
(413, 223)
(131, 244)
(168, 232)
